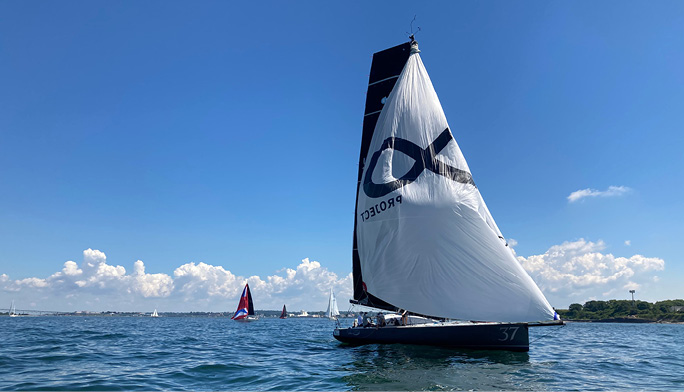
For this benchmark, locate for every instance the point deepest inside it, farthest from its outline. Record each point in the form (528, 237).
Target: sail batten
(424, 238)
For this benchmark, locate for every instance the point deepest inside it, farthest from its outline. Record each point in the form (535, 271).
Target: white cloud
(200, 281)
(612, 191)
(149, 285)
(574, 271)
(96, 285)
(577, 271)
(511, 244)
(628, 242)
(31, 283)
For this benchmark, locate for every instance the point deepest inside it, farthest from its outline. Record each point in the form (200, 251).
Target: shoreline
(624, 321)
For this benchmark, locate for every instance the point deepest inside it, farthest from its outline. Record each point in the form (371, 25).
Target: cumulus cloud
(149, 285)
(304, 287)
(97, 285)
(612, 191)
(203, 280)
(576, 271)
(511, 245)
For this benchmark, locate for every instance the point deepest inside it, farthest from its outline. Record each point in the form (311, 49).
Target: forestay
(426, 241)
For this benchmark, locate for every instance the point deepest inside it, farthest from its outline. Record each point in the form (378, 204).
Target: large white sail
(426, 240)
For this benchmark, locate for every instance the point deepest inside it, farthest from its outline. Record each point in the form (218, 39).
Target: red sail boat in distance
(245, 310)
(283, 314)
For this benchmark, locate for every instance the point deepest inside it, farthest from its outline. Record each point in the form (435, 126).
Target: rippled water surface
(185, 353)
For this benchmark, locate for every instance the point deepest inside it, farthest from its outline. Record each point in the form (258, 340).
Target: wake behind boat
(245, 310)
(425, 243)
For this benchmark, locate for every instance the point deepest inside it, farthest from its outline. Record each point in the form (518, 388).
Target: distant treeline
(260, 313)
(626, 310)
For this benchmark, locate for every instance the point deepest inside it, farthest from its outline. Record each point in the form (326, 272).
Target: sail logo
(379, 208)
(425, 159)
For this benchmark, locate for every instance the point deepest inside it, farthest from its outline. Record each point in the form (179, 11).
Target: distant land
(260, 313)
(617, 311)
(626, 311)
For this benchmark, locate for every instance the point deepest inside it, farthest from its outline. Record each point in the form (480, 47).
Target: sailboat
(154, 314)
(332, 311)
(426, 250)
(245, 309)
(13, 310)
(283, 314)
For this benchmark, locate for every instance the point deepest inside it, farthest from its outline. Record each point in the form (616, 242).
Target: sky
(160, 154)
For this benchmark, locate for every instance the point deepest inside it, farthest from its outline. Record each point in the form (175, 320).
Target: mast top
(414, 45)
(412, 37)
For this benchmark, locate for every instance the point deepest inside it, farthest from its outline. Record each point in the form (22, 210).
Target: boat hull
(494, 336)
(247, 319)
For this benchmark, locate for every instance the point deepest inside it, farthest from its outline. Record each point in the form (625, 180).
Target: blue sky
(228, 134)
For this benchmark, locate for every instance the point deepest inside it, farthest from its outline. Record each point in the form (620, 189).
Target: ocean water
(186, 353)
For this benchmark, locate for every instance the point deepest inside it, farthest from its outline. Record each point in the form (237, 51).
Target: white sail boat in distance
(425, 244)
(13, 310)
(154, 314)
(332, 311)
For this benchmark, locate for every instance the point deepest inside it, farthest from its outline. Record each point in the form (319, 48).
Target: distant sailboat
(283, 314)
(13, 310)
(154, 314)
(425, 244)
(332, 311)
(245, 310)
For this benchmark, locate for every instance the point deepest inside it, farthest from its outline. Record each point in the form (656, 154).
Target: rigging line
(543, 336)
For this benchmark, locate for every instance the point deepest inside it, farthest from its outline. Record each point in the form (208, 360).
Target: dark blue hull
(511, 337)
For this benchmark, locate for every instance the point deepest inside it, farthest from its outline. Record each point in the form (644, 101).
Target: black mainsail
(386, 67)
